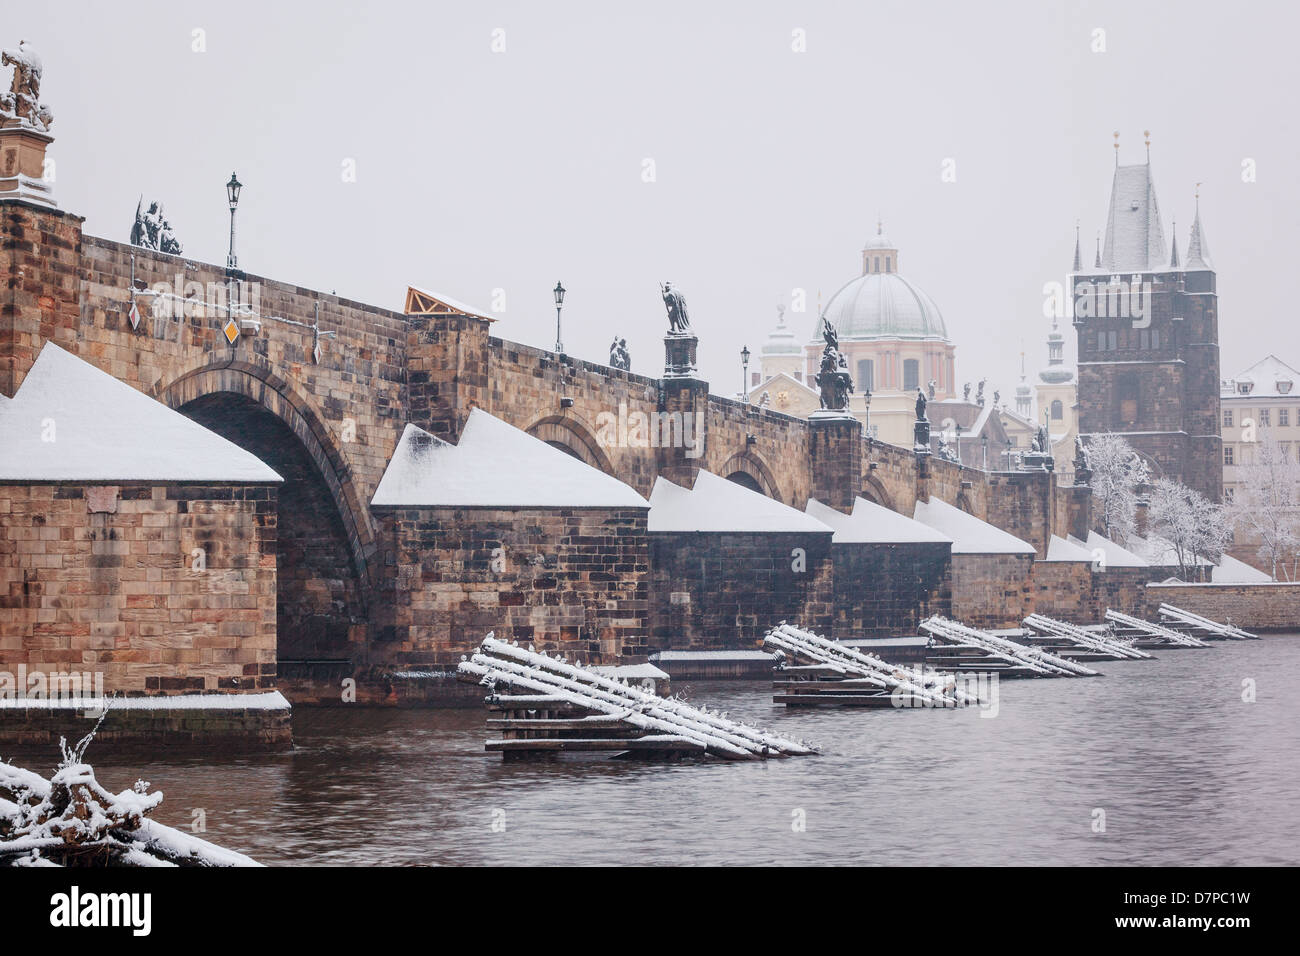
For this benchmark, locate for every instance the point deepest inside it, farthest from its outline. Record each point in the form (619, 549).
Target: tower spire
(1198, 251)
(1078, 261)
(1097, 262)
(1173, 259)
(1116, 134)
(1147, 134)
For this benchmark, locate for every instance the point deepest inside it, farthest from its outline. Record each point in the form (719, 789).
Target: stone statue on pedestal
(679, 322)
(833, 378)
(920, 406)
(21, 106)
(619, 356)
(152, 230)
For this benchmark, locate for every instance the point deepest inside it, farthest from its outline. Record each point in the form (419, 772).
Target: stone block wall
(1256, 607)
(992, 590)
(121, 591)
(573, 580)
(725, 591)
(1066, 590)
(886, 590)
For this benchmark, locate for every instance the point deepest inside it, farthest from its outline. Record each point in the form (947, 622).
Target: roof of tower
(1269, 377)
(1135, 239)
(879, 240)
(1198, 250)
(1078, 259)
(882, 305)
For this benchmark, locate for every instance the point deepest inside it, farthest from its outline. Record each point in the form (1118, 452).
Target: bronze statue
(679, 322)
(920, 406)
(22, 105)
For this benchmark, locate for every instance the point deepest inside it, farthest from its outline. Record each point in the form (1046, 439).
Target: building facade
(1258, 402)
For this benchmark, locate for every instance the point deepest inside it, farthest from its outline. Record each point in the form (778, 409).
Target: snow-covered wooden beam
(1100, 643)
(1034, 659)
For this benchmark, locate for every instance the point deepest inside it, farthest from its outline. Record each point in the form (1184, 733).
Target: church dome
(884, 305)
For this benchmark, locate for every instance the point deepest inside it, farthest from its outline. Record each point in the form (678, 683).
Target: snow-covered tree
(1266, 505)
(1194, 525)
(1117, 473)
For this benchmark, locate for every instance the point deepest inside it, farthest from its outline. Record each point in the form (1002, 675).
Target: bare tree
(1117, 473)
(1194, 525)
(1266, 504)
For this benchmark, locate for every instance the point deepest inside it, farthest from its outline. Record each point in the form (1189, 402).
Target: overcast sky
(479, 170)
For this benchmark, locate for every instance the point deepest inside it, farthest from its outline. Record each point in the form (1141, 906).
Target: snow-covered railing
(1153, 634)
(1034, 659)
(1198, 623)
(1098, 642)
(71, 820)
(841, 672)
(567, 707)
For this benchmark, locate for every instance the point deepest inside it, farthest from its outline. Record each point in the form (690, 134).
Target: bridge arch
(749, 470)
(570, 434)
(873, 489)
(325, 541)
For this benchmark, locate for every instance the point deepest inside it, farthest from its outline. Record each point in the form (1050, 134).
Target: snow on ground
(1160, 551)
(969, 534)
(871, 523)
(69, 421)
(494, 465)
(718, 505)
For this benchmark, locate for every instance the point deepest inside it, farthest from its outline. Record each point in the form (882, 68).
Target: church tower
(1148, 338)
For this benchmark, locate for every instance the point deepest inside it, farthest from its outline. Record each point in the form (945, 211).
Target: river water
(1183, 770)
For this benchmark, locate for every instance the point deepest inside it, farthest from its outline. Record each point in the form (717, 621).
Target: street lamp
(744, 380)
(559, 304)
(232, 194)
(957, 432)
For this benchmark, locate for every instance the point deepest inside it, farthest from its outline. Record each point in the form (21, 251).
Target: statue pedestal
(679, 355)
(22, 165)
(1034, 460)
(921, 437)
(1082, 477)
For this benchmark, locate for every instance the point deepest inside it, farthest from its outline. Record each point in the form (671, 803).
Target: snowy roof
(871, 523)
(494, 465)
(1059, 549)
(1267, 378)
(716, 504)
(1114, 556)
(969, 534)
(1231, 571)
(69, 421)
(1159, 551)
(1135, 239)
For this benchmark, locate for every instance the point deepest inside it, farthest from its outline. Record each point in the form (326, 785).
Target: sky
(486, 150)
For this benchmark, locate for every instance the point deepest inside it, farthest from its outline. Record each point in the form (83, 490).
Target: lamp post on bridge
(984, 443)
(744, 377)
(559, 304)
(232, 195)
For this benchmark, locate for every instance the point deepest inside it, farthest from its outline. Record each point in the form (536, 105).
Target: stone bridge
(320, 388)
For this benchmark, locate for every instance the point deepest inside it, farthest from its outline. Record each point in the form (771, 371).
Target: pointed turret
(1078, 259)
(1096, 264)
(1198, 251)
(1173, 234)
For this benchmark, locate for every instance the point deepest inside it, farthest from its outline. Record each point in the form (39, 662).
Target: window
(1155, 338)
(1227, 418)
(911, 374)
(876, 264)
(1284, 417)
(1128, 399)
(1227, 493)
(1144, 340)
(889, 263)
(1227, 455)
(1285, 448)
(1111, 341)
(1243, 388)
(1264, 417)
(866, 376)
(1058, 410)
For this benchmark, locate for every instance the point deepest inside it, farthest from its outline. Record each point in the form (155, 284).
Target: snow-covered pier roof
(718, 505)
(969, 534)
(1231, 571)
(69, 421)
(1059, 549)
(494, 465)
(1113, 555)
(871, 523)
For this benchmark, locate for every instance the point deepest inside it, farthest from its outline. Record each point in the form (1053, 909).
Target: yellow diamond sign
(230, 330)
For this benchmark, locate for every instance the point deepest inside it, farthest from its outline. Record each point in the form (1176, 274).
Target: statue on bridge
(152, 230)
(619, 356)
(679, 323)
(833, 378)
(22, 106)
